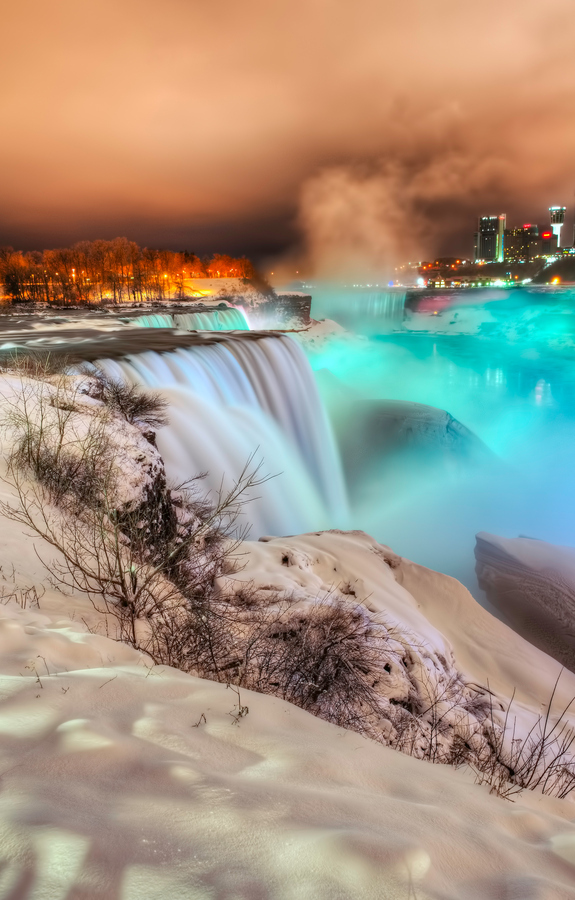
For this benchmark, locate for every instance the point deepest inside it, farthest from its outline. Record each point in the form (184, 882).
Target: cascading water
(230, 319)
(360, 309)
(219, 320)
(154, 320)
(239, 397)
(384, 305)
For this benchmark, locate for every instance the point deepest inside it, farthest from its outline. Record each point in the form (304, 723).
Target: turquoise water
(229, 319)
(512, 384)
(487, 384)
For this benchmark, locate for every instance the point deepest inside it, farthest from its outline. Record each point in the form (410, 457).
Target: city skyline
(494, 241)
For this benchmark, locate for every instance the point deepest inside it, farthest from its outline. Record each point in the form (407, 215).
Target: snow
(122, 780)
(318, 334)
(110, 790)
(64, 402)
(436, 608)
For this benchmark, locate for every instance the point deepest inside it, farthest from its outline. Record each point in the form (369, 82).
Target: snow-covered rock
(317, 335)
(533, 584)
(69, 413)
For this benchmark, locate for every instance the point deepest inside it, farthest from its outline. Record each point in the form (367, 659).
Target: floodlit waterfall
(360, 309)
(154, 320)
(386, 305)
(230, 319)
(238, 397)
(218, 320)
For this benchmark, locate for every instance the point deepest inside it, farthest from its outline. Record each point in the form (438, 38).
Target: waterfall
(216, 320)
(229, 319)
(374, 311)
(154, 320)
(239, 397)
(386, 305)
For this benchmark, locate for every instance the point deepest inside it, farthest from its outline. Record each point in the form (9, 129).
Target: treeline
(109, 271)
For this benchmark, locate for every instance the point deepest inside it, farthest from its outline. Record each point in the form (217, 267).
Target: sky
(337, 135)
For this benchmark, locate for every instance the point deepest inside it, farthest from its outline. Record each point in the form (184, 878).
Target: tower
(557, 215)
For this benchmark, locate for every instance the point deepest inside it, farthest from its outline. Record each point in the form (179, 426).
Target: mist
(426, 490)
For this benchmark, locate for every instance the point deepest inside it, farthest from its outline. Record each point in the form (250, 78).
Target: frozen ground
(121, 780)
(124, 780)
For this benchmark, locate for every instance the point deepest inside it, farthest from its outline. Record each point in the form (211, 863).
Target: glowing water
(235, 398)
(360, 309)
(218, 320)
(503, 363)
(511, 380)
(154, 320)
(213, 320)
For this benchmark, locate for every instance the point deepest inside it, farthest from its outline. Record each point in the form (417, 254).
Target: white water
(237, 397)
(216, 320)
(361, 309)
(213, 320)
(386, 305)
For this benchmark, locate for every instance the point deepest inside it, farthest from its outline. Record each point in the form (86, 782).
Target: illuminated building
(524, 244)
(557, 216)
(549, 242)
(489, 240)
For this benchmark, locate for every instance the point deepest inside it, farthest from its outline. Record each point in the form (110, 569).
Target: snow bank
(436, 608)
(137, 782)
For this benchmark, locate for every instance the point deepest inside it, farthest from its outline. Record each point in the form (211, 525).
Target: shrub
(130, 401)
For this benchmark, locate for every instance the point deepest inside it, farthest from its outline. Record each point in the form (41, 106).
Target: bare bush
(156, 593)
(130, 401)
(26, 598)
(151, 566)
(68, 455)
(543, 759)
(325, 657)
(38, 365)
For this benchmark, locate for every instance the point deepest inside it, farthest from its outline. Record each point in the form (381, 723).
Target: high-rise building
(500, 237)
(521, 244)
(527, 243)
(489, 239)
(557, 216)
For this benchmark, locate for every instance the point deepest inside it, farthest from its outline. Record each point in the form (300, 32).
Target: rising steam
(364, 220)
